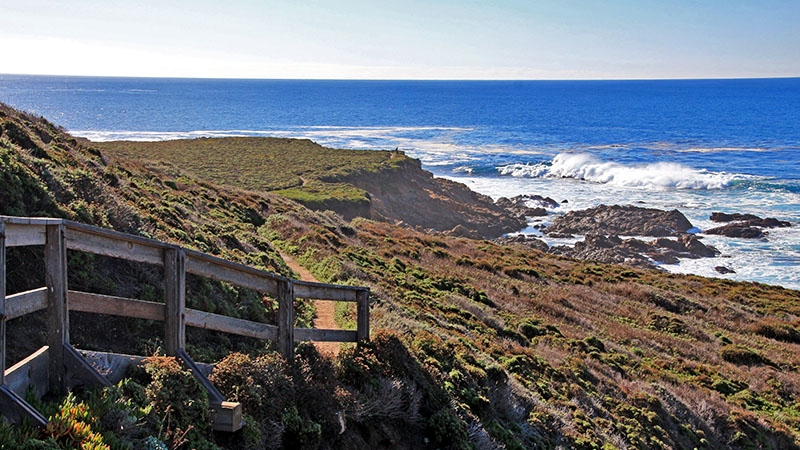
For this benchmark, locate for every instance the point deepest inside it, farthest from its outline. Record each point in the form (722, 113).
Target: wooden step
(227, 416)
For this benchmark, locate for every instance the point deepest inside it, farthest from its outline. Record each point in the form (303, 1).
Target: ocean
(696, 145)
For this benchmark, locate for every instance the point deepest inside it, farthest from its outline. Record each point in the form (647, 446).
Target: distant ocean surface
(695, 145)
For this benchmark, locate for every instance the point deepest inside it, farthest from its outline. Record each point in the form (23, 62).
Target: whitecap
(661, 175)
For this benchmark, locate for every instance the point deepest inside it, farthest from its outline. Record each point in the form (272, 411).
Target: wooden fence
(58, 366)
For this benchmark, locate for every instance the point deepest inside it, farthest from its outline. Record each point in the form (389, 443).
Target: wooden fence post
(175, 318)
(362, 310)
(2, 303)
(286, 319)
(55, 263)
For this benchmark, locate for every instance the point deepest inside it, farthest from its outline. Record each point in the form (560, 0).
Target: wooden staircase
(58, 366)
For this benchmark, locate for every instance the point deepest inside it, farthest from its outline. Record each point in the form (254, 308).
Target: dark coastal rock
(669, 244)
(621, 220)
(723, 217)
(750, 220)
(694, 247)
(527, 205)
(745, 226)
(723, 270)
(664, 257)
(601, 241)
(536, 212)
(605, 249)
(560, 235)
(524, 241)
(738, 230)
(635, 252)
(669, 251)
(769, 222)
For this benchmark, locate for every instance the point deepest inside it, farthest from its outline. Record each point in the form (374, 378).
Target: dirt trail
(325, 310)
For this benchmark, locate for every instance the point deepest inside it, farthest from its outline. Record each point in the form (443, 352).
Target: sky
(410, 39)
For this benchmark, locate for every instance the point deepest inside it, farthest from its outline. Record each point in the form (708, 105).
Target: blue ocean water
(696, 145)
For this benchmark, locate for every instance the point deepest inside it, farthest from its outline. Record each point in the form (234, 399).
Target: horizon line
(782, 77)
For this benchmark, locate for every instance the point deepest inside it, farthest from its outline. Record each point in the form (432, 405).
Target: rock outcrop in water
(745, 226)
(621, 220)
(635, 252)
(738, 230)
(527, 205)
(603, 225)
(724, 217)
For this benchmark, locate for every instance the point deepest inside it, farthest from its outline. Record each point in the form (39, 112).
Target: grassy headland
(477, 345)
(294, 168)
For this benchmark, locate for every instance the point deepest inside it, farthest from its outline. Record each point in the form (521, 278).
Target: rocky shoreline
(604, 226)
(612, 234)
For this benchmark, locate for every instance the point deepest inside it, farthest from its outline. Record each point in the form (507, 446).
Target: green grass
(295, 168)
(321, 195)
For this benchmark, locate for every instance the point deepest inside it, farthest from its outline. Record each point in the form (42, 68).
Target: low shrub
(359, 366)
(672, 325)
(778, 330)
(738, 354)
(447, 430)
(177, 398)
(260, 384)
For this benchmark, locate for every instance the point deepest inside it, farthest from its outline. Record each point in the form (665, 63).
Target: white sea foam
(662, 175)
(305, 131)
(525, 170)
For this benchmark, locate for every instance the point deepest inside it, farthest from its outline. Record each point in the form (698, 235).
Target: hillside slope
(477, 345)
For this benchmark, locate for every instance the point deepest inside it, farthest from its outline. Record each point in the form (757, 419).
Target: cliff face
(413, 196)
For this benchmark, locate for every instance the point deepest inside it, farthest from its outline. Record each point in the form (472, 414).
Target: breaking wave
(662, 175)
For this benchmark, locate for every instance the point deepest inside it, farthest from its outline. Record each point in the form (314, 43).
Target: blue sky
(413, 39)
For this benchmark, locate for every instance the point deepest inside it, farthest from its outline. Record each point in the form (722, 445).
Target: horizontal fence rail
(58, 363)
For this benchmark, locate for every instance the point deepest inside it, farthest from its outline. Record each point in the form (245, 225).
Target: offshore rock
(724, 217)
(635, 252)
(750, 220)
(769, 222)
(604, 249)
(621, 220)
(694, 247)
(745, 226)
(738, 230)
(527, 205)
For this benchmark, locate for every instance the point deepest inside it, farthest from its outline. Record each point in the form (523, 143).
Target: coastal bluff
(381, 185)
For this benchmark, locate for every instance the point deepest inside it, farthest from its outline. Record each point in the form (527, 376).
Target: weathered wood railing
(58, 366)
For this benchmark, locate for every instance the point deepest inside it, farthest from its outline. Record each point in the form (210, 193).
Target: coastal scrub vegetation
(477, 345)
